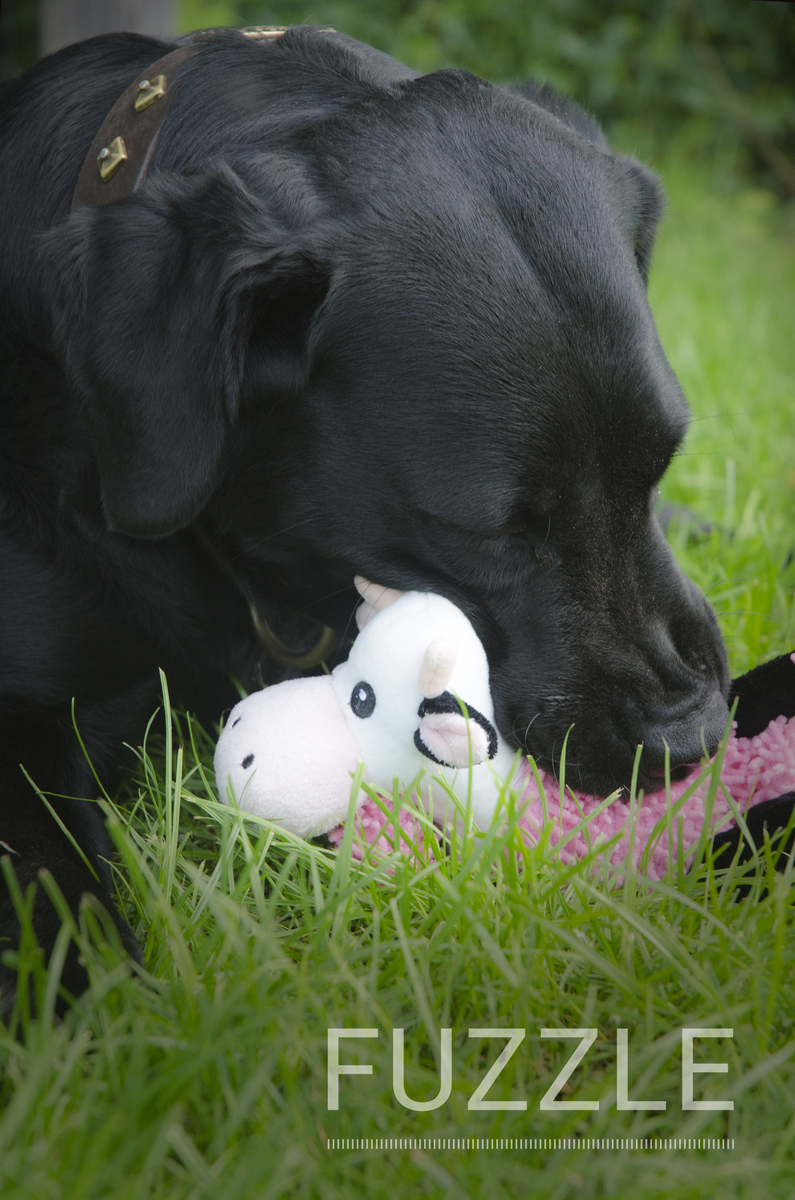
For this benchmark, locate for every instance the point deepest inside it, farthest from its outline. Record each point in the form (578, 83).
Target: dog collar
(120, 154)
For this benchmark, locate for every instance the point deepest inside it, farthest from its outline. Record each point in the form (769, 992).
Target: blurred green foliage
(730, 64)
(725, 66)
(19, 42)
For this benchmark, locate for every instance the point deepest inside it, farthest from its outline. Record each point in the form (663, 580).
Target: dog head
(407, 336)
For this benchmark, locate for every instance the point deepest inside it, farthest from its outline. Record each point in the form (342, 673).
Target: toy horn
(379, 598)
(437, 666)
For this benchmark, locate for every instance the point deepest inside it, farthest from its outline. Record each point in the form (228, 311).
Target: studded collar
(120, 154)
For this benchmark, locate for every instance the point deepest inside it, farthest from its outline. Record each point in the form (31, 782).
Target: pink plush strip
(754, 770)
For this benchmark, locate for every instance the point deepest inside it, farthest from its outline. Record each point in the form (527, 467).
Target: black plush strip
(763, 694)
(773, 816)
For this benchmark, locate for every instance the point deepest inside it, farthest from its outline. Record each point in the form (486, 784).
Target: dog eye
(363, 700)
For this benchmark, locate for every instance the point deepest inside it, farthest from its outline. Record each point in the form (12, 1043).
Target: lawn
(206, 1074)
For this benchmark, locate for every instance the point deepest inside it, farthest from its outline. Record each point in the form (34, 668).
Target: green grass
(205, 1074)
(723, 290)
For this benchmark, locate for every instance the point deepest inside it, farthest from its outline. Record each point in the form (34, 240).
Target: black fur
(355, 321)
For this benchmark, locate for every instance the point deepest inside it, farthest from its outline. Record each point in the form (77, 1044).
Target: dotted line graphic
(431, 1143)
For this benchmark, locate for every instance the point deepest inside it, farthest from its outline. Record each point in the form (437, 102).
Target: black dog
(352, 321)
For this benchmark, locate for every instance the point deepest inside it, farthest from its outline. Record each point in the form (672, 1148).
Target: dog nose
(687, 736)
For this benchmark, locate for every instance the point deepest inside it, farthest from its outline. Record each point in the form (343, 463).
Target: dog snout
(603, 735)
(650, 681)
(682, 716)
(682, 734)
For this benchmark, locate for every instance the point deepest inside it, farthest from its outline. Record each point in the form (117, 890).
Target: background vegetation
(205, 1074)
(728, 64)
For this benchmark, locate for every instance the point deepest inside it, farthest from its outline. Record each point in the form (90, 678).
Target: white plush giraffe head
(398, 705)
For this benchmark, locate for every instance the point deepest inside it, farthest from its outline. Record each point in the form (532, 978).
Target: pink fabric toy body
(755, 770)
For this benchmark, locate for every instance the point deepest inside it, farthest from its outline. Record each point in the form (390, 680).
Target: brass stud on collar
(110, 158)
(263, 32)
(267, 33)
(149, 90)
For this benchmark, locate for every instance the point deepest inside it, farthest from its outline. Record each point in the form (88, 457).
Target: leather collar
(120, 154)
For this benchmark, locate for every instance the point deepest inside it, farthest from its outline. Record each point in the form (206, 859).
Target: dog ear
(647, 204)
(168, 306)
(565, 109)
(645, 200)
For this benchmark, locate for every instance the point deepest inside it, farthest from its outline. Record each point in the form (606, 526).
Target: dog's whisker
(287, 529)
(529, 723)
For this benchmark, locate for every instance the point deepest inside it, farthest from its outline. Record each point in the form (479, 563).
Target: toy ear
(376, 598)
(168, 307)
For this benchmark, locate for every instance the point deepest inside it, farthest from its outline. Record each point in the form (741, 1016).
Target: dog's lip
(676, 774)
(682, 770)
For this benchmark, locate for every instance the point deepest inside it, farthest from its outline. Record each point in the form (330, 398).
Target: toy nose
(288, 755)
(452, 741)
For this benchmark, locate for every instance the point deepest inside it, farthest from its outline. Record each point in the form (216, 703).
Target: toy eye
(363, 700)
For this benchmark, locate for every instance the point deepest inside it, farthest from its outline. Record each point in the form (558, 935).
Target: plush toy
(288, 752)
(412, 701)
